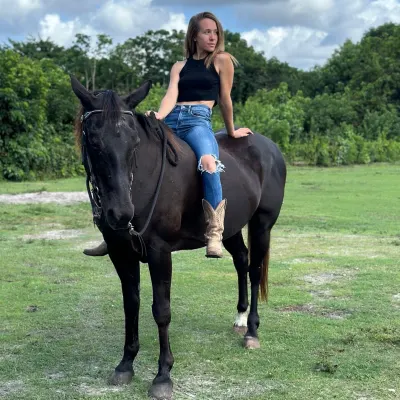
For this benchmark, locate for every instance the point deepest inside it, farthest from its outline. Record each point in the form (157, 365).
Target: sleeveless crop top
(197, 82)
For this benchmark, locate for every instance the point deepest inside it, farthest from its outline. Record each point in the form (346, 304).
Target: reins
(94, 194)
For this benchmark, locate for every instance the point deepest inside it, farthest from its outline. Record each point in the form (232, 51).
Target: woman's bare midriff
(208, 103)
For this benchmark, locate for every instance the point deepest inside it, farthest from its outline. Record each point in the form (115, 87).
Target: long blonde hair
(193, 30)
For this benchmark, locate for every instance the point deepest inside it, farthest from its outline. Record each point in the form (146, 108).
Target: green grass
(331, 329)
(56, 185)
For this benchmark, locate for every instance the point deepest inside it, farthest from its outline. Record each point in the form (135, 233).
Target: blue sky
(303, 33)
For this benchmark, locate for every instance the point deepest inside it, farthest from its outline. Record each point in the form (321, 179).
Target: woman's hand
(241, 132)
(158, 115)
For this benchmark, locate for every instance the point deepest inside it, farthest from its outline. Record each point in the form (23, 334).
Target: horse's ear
(133, 99)
(82, 93)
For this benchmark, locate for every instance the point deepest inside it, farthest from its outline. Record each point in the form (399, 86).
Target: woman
(196, 84)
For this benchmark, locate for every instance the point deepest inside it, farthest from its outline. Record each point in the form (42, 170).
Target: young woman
(196, 85)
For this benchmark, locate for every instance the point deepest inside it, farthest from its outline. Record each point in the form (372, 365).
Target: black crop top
(197, 82)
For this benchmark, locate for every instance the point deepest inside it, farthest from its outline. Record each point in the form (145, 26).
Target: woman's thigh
(201, 139)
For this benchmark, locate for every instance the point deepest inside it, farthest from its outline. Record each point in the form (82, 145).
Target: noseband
(94, 193)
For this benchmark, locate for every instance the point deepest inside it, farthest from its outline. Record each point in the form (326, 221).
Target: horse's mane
(174, 148)
(112, 112)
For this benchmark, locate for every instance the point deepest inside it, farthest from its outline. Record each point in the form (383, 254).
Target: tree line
(344, 112)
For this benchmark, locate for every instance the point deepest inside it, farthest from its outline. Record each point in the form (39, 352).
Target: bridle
(93, 189)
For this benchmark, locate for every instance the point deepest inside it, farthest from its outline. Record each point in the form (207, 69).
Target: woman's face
(207, 38)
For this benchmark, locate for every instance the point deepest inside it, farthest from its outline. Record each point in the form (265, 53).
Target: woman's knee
(207, 163)
(210, 163)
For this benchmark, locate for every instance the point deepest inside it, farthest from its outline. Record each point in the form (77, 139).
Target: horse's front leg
(160, 266)
(127, 266)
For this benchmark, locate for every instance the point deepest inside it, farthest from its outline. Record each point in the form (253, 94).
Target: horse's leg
(238, 250)
(127, 267)
(259, 236)
(160, 266)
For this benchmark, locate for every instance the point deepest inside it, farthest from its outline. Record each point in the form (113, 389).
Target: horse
(142, 177)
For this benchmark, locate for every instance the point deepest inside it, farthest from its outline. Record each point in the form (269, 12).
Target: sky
(303, 33)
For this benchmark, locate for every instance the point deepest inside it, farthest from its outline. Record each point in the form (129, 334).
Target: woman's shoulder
(224, 58)
(177, 67)
(224, 61)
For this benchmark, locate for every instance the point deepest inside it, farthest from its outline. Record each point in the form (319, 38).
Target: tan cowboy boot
(215, 227)
(100, 250)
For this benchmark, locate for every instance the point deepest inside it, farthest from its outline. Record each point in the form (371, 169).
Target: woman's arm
(225, 69)
(169, 100)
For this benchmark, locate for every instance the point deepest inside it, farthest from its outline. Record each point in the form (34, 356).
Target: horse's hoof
(241, 330)
(121, 378)
(251, 343)
(161, 389)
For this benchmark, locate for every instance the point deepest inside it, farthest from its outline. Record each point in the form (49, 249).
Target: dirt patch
(321, 294)
(209, 388)
(10, 387)
(396, 300)
(97, 391)
(339, 314)
(325, 295)
(307, 308)
(55, 235)
(312, 309)
(328, 244)
(306, 260)
(324, 278)
(45, 197)
(89, 244)
(56, 375)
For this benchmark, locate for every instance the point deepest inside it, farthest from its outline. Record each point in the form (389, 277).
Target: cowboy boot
(215, 227)
(100, 250)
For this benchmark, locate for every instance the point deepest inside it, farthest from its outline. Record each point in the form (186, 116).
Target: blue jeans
(192, 123)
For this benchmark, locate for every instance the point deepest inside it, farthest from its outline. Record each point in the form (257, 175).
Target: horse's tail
(264, 268)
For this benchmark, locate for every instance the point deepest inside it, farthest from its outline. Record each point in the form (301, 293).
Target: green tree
(151, 55)
(276, 114)
(36, 113)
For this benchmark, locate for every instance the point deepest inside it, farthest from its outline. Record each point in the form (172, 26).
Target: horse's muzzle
(119, 219)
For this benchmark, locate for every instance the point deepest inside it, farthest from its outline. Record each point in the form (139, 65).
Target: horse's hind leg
(259, 239)
(127, 267)
(236, 247)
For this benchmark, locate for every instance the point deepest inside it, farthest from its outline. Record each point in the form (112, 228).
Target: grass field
(331, 329)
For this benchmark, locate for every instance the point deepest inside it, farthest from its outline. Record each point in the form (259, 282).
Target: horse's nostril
(119, 219)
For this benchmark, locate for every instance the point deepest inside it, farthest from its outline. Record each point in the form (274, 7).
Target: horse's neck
(146, 170)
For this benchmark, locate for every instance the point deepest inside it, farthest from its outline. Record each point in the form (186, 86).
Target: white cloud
(176, 21)
(298, 46)
(119, 19)
(16, 9)
(62, 33)
(310, 6)
(379, 11)
(306, 32)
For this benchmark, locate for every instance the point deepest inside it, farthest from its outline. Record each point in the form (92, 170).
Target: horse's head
(110, 137)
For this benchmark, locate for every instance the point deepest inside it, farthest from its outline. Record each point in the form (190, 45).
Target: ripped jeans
(192, 123)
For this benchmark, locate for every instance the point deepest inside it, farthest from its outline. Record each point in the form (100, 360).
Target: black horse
(125, 154)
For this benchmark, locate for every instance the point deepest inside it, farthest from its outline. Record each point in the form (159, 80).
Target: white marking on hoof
(241, 319)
